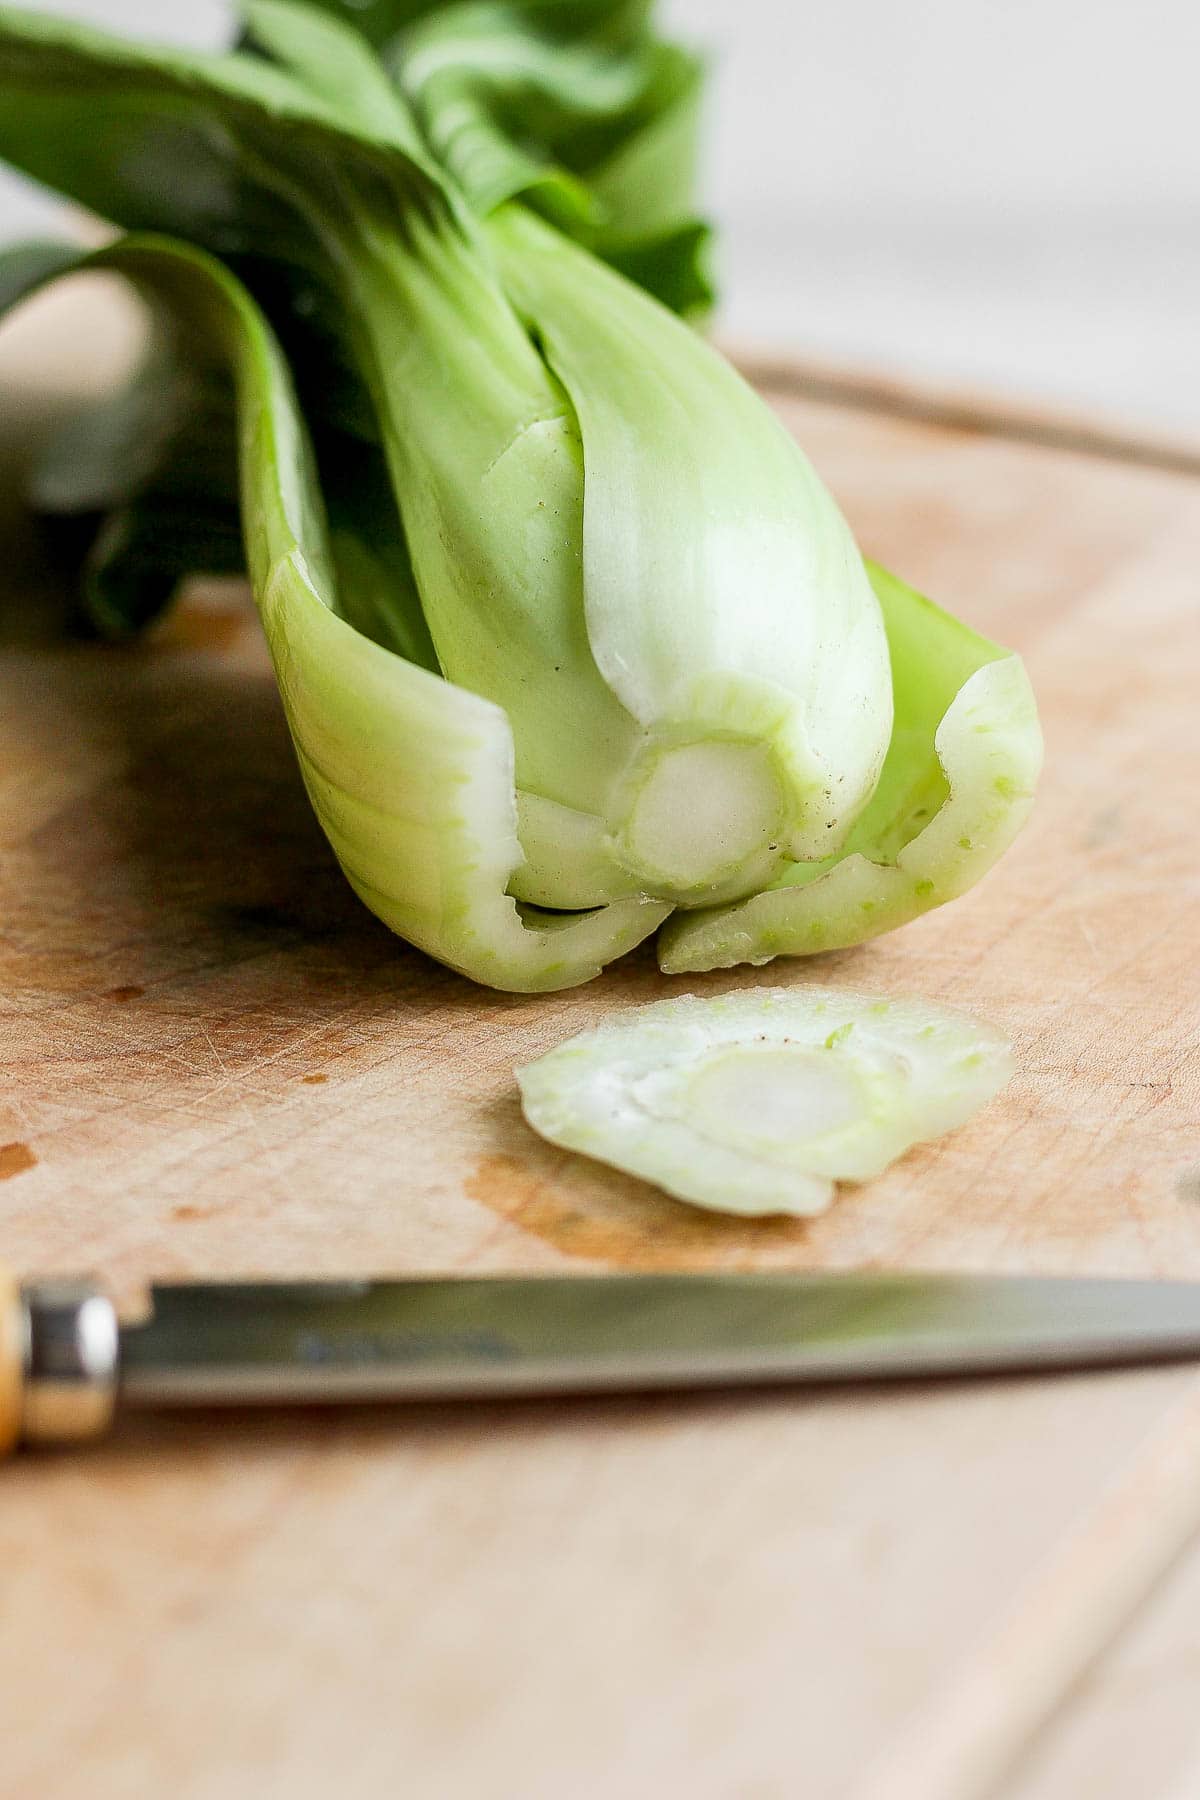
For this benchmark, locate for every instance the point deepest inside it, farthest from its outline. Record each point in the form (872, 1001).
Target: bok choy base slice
(758, 1102)
(410, 776)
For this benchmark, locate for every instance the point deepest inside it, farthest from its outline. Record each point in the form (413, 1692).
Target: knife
(67, 1363)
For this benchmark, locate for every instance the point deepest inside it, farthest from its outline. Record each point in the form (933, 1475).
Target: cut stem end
(704, 816)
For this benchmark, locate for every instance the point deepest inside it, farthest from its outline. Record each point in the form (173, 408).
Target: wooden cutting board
(215, 1061)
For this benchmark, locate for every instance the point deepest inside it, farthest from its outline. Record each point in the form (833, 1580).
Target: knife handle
(12, 1361)
(59, 1355)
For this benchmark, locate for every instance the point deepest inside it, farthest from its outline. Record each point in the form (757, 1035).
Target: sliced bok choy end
(758, 1102)
(699, 814)
(957, 786)
(412, 781)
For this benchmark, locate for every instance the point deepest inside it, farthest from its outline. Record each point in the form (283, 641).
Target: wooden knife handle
(12, 1360)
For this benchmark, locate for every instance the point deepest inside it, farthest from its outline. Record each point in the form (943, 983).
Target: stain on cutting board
(599, 1216)
(15, 1159)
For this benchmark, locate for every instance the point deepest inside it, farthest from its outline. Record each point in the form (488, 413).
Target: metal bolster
(72, 1353)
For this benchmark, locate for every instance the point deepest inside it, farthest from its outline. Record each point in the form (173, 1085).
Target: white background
(1002, 192)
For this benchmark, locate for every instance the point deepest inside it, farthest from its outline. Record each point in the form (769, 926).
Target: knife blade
(456, 1338)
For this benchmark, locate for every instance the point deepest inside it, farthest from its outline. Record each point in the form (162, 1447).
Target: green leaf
(578, 109)
(377, 20)
(582, 113)
(337, 67)
(674, 267)
(231, 151)
(211, 144)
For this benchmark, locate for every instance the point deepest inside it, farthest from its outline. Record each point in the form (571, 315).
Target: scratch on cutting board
(15, 1159)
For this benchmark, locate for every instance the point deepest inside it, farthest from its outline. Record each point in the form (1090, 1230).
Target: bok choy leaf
(577, 107)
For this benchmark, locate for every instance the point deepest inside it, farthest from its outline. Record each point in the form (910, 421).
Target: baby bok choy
(570, 636)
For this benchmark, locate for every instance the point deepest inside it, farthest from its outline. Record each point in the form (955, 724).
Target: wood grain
(1131, 1726)
(214, 1060)
(1079, 1599)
